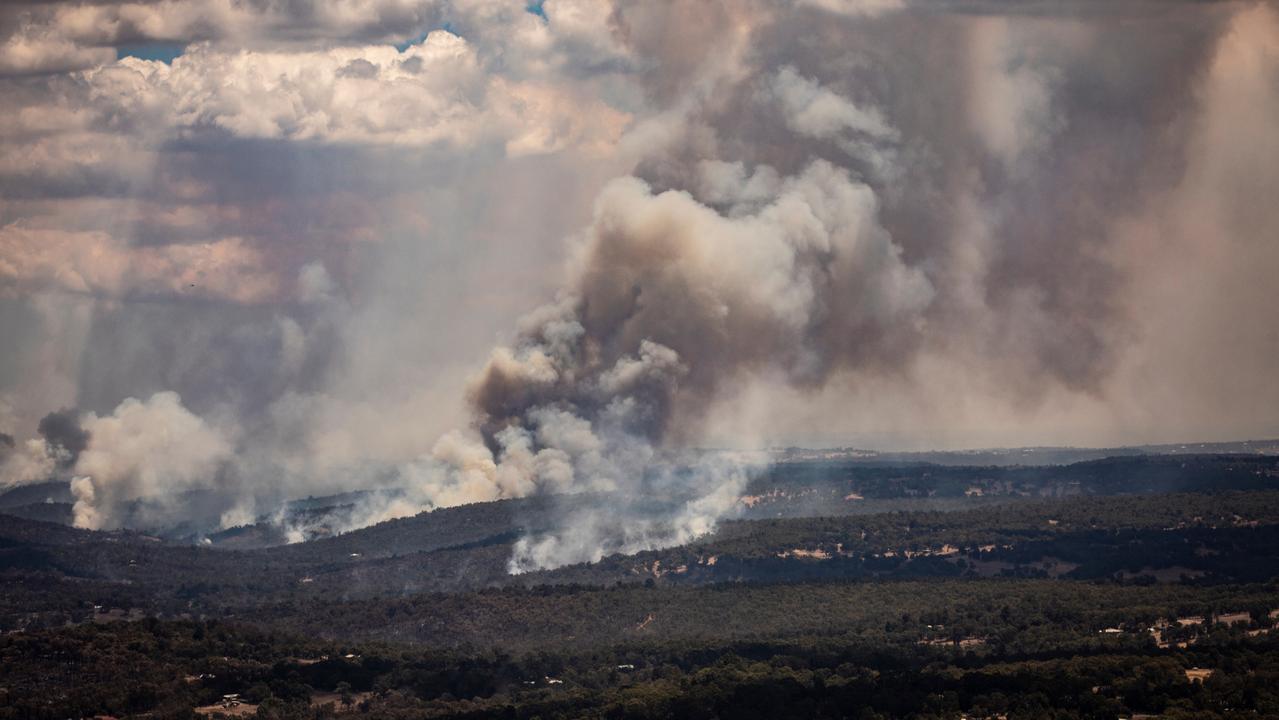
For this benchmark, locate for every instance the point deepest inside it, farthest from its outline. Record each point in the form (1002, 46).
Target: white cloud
(107, 123)
(40, 50)
(855, 8)
(96, 263)
(274, 22)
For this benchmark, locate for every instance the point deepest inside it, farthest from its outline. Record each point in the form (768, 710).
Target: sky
(270, 249)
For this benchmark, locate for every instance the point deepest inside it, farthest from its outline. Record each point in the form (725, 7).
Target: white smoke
(30, 461)
(667, 301)
(623, 524)
(811, 110)
(151, 449)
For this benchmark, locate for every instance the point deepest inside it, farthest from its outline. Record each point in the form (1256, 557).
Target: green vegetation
(877, 650)
(1026, 602)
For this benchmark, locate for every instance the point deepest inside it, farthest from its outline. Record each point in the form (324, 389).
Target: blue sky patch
(421, 37)
(164, 52)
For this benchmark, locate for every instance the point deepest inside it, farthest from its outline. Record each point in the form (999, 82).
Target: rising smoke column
(669, 302)
(152, 450)
(751, 242)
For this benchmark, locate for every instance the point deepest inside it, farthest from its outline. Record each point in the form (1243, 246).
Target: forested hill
(1098, 589)
(1216, 535)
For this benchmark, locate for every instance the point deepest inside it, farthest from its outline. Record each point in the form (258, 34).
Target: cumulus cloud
(104, 130)
(855, 7)
(42, 50)
(60, 36)
(432, 92)
(275, 21)
(95, 263)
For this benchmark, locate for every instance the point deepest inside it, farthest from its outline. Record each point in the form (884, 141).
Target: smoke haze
(454, 251)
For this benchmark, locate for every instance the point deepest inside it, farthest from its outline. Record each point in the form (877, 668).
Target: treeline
(166, 669)
(1109, 476)
(1022, 616)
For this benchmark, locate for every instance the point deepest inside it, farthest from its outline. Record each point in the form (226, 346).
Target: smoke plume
(64, 436)
(668, 301)
(725, 224)
(154, 450)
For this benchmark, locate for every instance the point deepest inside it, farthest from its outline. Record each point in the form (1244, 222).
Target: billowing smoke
(61, 441)
(26, 462)
(823, 222)
(153, 451)
(668, 302)
(64, 436)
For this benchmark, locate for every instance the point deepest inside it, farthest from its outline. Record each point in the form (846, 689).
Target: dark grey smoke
(64, 436)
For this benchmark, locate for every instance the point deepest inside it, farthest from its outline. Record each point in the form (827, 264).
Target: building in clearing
(1197, 675)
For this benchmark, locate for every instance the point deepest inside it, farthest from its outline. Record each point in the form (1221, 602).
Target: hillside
(910, 578)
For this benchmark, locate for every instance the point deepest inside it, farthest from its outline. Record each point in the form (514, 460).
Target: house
(1197, 675)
